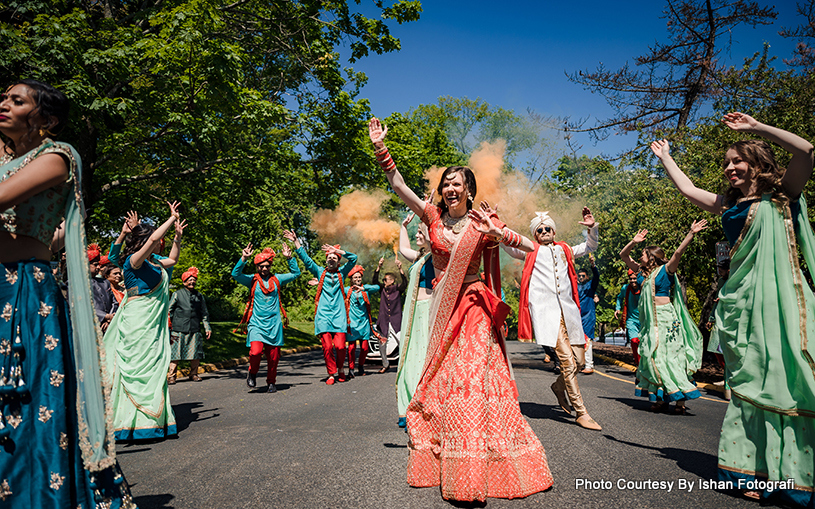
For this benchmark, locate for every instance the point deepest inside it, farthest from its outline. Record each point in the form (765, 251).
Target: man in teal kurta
(359, 318)
(330, 315)
(262, 317)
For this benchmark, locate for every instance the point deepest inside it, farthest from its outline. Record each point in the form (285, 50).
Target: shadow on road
(390, 445)
(698, 463)
(539, 411)
(154, 501)
(184, 414)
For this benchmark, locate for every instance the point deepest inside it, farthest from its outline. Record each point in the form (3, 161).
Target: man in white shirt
(549, 305)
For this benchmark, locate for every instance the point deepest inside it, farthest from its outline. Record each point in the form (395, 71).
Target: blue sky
(515, 55)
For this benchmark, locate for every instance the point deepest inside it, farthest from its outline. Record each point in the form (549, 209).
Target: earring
(42, 131)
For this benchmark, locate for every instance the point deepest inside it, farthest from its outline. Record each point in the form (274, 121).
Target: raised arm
(139, 256)
(625, 254)
(592, 237)
(705, 200)
(294, 269)
(175, 251)
(673, 263)
(237, 271)
(483, 222)
(377, 133)
(404, 241)
(799, 170)
(375, 278)
(403, 285)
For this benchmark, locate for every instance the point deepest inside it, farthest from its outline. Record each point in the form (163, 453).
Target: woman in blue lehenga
(56, 438)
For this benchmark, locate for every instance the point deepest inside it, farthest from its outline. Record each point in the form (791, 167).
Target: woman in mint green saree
(670, 344)
(138, 338)
(766, 312)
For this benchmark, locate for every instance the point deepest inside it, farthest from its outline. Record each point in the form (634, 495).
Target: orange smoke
(356, 223)
(514, 196)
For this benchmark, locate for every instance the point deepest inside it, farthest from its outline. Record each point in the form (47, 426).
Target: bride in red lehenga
(467, 434)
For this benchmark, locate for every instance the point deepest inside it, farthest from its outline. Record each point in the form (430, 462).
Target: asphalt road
(314, 446)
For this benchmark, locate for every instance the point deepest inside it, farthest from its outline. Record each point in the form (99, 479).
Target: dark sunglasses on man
(546, 229)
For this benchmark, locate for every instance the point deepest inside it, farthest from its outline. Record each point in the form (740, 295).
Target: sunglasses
(547, 229)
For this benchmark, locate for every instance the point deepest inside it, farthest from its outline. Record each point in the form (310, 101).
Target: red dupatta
(451, 283)
(274, 284)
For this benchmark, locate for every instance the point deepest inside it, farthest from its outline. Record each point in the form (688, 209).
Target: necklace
(455, 223)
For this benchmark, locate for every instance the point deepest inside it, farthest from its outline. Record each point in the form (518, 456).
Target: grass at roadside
(225, 345)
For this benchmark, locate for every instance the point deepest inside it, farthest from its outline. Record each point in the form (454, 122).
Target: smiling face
(16, 107)
(544, 235)
(332, 261)
(388, 280)
(189, 284)
(356, 279)
(582, 276)
(264, 269)
(420, 238)
(454, 192)
(737, 171)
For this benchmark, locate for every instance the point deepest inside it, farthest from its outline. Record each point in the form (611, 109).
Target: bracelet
(385, 160)
(381, 150)
(510, 238)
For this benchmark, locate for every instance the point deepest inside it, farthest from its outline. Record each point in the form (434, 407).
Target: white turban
(541, 218)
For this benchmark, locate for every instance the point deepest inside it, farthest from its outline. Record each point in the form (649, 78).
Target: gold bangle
(381, 150)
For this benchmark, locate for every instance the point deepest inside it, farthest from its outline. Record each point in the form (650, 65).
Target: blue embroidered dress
(55, 429)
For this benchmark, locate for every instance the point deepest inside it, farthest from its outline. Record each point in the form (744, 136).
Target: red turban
(191, 272)
(267, 254)
(630, 272)
(357, 268)
(94, 253)
(104, 260)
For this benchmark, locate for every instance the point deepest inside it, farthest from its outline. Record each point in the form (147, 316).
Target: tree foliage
(671, 82)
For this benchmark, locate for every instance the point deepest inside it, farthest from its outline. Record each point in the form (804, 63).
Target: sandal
(195, 378)
(751, 495)
(171, 380)
(680, 410)
(659, 406)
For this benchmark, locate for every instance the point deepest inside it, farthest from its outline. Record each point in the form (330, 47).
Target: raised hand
(588, 218)
(174, 208)
(292, 237)
(131, 221)
(487, 209)
(592, 260)
(381, 261)
(739, 121)
(408, 219)
(286, 250)
(640, 236)
(661, 148)
(377, 131)
(179, 227)
(247, 252)
(483, 223)
(398, 264)
(313, 281)
(698, 226)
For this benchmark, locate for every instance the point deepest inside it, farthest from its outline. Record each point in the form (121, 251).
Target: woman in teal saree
(766, 312)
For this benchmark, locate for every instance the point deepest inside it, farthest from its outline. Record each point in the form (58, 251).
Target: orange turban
(104, 260)
(191, 272)
(94, 253)
(357, 268)
(267, 254)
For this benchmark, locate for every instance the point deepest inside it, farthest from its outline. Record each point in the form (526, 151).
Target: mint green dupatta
(138, 346)
(413, 340)
(94, 412)
(670, 343)
(766, 312)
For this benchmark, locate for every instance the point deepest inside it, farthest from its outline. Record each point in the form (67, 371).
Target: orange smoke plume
(356, 223)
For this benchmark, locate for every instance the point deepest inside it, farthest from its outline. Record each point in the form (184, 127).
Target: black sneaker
(272, 388)
(250, 381)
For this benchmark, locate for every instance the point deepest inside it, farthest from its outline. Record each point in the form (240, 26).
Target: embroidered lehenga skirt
(467, 434)
(40, 460)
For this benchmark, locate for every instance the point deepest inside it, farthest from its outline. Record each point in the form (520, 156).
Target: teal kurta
(265, 325)
(360, 327)
(330, 315)
(764, 320)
